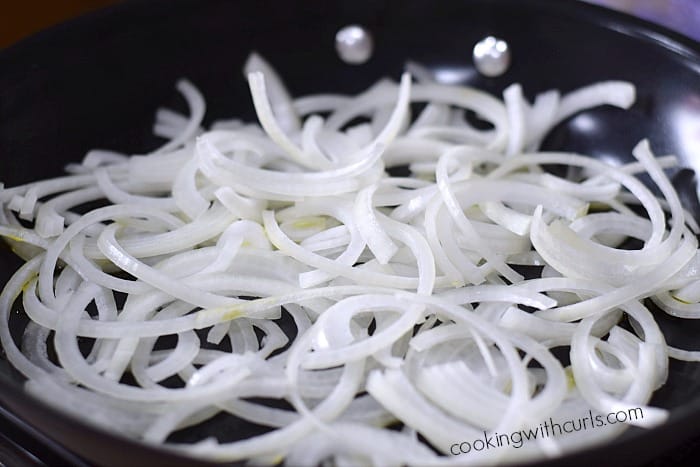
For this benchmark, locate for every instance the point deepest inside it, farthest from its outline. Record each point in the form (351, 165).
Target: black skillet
(96, 82)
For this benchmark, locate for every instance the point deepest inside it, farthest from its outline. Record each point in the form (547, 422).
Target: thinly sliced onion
(362, 266)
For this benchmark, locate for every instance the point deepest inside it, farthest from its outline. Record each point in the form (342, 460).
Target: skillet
(97, 81)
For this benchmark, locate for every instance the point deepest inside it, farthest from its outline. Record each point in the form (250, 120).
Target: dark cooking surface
(117, 68)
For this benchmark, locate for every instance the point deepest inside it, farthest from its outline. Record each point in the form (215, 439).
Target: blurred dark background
(20, 19)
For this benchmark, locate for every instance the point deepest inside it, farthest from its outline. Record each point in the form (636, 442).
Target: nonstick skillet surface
(97, 81)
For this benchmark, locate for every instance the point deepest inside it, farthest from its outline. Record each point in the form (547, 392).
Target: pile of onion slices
(362, 279)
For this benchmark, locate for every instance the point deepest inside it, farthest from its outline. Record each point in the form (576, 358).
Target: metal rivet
(491, 56)
(354, 44)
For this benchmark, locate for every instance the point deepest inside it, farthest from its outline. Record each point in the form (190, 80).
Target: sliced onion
(359, 264)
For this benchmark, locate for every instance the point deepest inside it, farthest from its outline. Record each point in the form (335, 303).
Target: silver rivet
(491, 56)
(354, 44)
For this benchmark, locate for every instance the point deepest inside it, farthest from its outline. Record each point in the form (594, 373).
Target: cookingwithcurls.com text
(545, 429)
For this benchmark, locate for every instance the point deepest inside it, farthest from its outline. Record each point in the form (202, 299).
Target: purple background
(680, 15)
